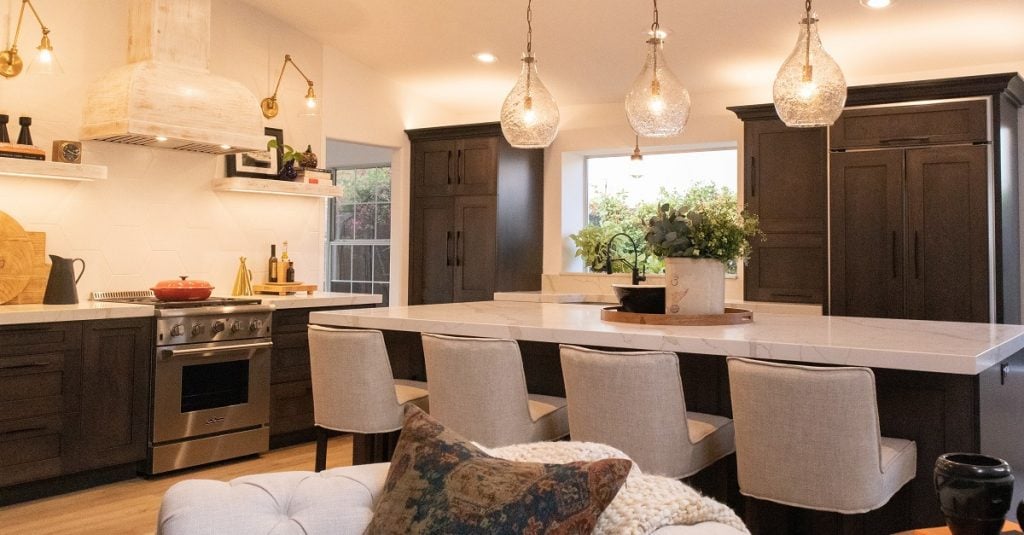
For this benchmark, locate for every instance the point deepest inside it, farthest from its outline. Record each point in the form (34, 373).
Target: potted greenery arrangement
(696, 238)
(289, 159)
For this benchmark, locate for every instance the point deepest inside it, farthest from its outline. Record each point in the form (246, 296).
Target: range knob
(197, 329)
(235, 326)
(255, 325)
(178, 330)
(218, 327)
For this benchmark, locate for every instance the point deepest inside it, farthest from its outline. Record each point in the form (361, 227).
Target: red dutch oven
(182, 290)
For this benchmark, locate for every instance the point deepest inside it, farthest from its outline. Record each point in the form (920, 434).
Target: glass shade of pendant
(657, 104)
(809, 93)
(45, 62)
(529, 115)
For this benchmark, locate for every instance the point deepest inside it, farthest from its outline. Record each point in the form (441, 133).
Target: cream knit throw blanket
(644, 504)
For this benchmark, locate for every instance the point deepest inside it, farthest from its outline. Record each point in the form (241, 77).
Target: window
(621, 195)
(359, 248)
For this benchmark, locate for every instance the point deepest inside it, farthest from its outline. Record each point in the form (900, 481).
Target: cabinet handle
(917, 255)
(23, 366)
(753, 176)
(894, 273)
(458, 241)
(904, 140)
(458, 167)
(448, 248)
(25, 430)
(449, 168)
(793, 295)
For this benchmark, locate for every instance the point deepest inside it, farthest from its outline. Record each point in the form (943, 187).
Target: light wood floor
(131, 507)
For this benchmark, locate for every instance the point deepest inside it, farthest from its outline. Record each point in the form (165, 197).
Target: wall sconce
(269, 104)
(45, 63)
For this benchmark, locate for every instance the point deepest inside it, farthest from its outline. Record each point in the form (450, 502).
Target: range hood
(166, 97)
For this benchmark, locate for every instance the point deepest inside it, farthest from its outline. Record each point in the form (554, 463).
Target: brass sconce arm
(269, 104)
(11, 63)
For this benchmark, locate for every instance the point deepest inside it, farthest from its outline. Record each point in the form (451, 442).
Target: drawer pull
(904, 140)
(24, 366)
(801, 296)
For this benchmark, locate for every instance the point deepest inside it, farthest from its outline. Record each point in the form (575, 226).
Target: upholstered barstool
(633, 401)
(353, 388)
(808, 436)
(478, 389)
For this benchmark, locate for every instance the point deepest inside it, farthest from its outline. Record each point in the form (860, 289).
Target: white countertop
(86, 310)
(563, 297)
(945, 347)
(319, 300)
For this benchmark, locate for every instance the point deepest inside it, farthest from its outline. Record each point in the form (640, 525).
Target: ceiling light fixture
(877, 4)
(485, 57)
(529, 115)
(636, 160)
(657, 104)
(269, 104)
(45, 63)
(810, 89)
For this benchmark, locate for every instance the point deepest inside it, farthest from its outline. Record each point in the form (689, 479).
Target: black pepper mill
(24, 137)
(4, 138)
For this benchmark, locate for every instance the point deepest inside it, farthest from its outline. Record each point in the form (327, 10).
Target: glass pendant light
(810, 89)
(636, 161)
(657, 104)
(529, 115)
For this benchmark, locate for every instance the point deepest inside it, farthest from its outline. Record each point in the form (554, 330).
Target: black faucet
(637, 277)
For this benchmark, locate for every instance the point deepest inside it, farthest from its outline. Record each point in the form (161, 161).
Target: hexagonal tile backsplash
(157, 217)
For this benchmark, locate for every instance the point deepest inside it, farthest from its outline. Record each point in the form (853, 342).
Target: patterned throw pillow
(440, 483)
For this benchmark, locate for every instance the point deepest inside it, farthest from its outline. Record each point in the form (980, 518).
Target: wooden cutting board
(35, 291)
(15, 258)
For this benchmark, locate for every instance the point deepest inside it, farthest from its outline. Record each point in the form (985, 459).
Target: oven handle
(171, 353)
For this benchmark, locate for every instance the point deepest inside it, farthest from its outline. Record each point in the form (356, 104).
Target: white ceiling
(589, 51)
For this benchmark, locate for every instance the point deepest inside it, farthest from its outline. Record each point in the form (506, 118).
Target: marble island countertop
(570, 297)
(319, 300)
(944, 347)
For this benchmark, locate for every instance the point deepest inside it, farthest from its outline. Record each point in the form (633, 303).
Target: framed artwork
(260, 163)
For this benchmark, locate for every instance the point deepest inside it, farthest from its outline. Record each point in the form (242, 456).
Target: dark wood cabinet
(785, 184)
(116, 360)
(475, 215)
(74, 401)
(923, 193)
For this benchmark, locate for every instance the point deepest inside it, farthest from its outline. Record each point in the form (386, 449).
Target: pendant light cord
(807, 20)
(655, 29)
(529, 26)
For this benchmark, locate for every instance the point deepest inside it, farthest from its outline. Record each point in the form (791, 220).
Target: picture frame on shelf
(261, 163)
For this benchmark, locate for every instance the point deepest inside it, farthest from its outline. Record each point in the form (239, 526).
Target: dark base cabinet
(74, 399)
(291, 394)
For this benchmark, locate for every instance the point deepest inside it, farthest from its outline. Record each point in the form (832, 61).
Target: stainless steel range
(211, 379)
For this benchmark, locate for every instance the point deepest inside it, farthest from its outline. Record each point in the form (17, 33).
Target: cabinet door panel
(475, 248)
(947, 200)
(893, 126)
(477, 171)
(788, 268)
(433, 167)
(867, 234)
(116, 357)
(431, 251)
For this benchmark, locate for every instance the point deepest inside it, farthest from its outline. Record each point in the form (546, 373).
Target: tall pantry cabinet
(923, 202)
(476, 215)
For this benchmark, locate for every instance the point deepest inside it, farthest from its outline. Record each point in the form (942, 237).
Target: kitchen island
(947, 386)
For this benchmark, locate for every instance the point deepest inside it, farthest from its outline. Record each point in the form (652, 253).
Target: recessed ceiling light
(485, 57)
(877, 4)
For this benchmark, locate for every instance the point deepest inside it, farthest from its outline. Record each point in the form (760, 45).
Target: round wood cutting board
(15, 258)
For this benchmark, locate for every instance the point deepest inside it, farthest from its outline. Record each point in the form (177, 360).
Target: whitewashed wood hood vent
(166, 97)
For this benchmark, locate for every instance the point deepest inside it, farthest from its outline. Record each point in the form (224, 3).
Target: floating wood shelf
(275, 187)
(14, 167)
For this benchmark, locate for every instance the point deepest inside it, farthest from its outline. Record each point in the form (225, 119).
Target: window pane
(383, 221)
(341, 286)
(342, 263)
(362, 288)
(362, 263)
(365, 215)
(381, 263)
(384, 291)
(343, 229)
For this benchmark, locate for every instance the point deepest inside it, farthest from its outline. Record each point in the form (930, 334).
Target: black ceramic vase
(288, 172)
(974, 491)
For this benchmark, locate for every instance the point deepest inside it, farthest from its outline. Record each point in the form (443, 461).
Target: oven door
(206, 389)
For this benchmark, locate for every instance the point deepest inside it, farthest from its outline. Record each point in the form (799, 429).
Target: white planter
(694, 286)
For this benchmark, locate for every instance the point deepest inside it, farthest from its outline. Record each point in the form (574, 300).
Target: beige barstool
(808, 436)
(478, 389)
(353, 388)
(633, 401)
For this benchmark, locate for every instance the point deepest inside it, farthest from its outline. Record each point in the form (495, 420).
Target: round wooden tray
(732, 316)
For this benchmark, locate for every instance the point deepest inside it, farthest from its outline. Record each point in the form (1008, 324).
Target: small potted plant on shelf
(696, 238)
(289, 159)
